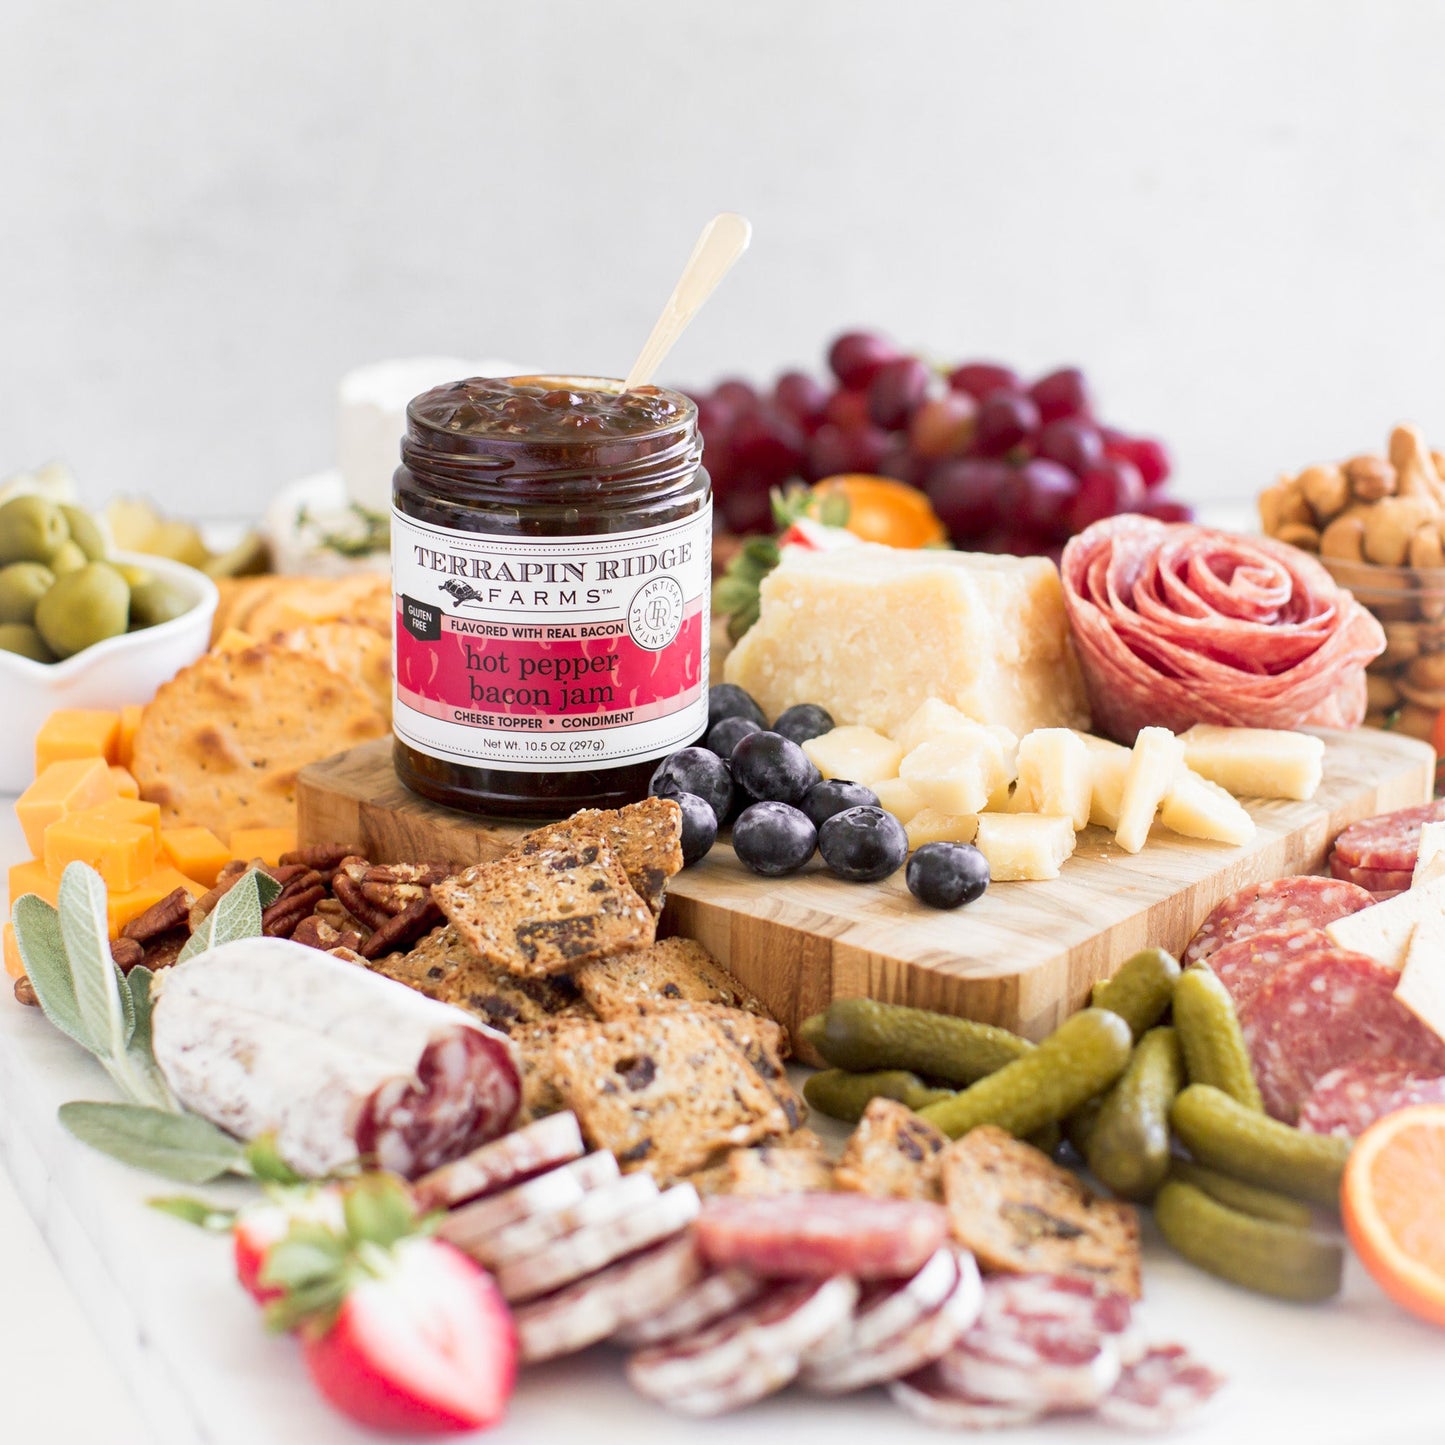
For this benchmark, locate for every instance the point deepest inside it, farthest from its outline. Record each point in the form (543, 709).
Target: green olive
(134, 575)
(22, 585)
(68, 557)
(18, 637)
(83, 608)
(156, 600)
(85, 532)
(31, 530)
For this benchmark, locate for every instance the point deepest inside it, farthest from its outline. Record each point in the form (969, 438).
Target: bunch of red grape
(1008, 466)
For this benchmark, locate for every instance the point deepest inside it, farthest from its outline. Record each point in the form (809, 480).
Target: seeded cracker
(761, 1042)
(673, 970)
(892, 1153)
(547, 912)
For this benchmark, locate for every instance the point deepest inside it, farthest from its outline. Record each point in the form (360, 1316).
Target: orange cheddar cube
(122, 852)
(69, 786)
(77, 732)
(125, 785)
(31, 877)
(14, 964)
(130, 810)
(123, 906)
(130, 717)
(267, 844)
(232, 640)
(197, 852)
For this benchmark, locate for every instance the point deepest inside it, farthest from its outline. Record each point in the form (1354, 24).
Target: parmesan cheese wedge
(930, 721)
(1430, 863)
(897, 797)
(1022, 846)
(856, 754)
(1108, 764)
(1157, 760)
(1422, 979)
(1054, 775)
(1256, 762)
(1384, 931)
(928, 825)
(963, 770)
(1198, 808)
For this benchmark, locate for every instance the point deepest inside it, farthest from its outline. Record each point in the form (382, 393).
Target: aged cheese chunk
(129, 810)
(130, 717)
(962, 771)
(267, 844)
(1430, 862)
(31, 877)
(1422, 979)
(69, 786)
(1024, 845)
(123, 853)
(1198, 808)
(871, 633)
(1256, 762)
(1156, 761)
(76, 732)
(930, 721)
(1108, 764)
(1384, 931)
(1054, 775)
(928, 825)
(196, 852)
(857, 754)
(897, 797)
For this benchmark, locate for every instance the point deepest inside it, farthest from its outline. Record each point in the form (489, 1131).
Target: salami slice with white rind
(596, 1307)
(267, 1036)
(1347, 1100)
(754, 1381)
(1242, 966)
(708, 1300)
(557, 1189)
(816, 1236)
(1164, 1388)
(539, 1146)
(927, 1397)
(782, 1324)
(527, 1237)
(888, 1309)
(1390, 841)
(1285, 903)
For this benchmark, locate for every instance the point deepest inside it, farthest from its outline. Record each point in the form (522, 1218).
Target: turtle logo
(461, 591)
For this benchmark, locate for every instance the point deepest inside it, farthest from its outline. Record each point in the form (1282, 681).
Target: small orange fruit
(881, 509)
(1393, 1204)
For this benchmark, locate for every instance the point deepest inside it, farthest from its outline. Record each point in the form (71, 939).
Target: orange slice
(881, 509)
(1393, 1203)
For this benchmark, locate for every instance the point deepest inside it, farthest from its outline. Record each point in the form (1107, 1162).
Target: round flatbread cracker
(302, 601)
(354, 649)
(222, 742)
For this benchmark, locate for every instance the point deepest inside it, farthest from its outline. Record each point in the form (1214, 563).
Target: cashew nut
(1344, 538)
(1417, 476)
(1425, 673)
(1370, 478)
(1299, 534)
(1381, 693)
(1326, 491)
(1282, 504)
(1402, 644)
(1390, 524)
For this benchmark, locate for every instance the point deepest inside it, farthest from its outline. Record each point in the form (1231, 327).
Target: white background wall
(1231, 213)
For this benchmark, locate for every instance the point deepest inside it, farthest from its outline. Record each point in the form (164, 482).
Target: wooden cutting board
(1024, 955)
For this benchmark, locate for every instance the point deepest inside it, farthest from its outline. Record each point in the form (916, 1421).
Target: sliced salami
(474, 1223)
(553, 1140)
(1163, 1388)
(596, 1307)
(708, 1300)
(1347, 1100)
(1390, 841)
(926, 1396)
(1302, 902)
(818, 1235)
(755, 1380)
(597, 1206)
(890, 1308)
(1243, 965)
(780, 1325)
(1325, 1010)
(1372, 880)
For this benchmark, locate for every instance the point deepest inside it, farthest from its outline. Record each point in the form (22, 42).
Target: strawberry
(259, 1227)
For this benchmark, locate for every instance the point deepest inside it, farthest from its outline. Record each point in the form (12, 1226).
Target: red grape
(1148, 454)
(766, 447)
(740, 395)
(1113, 486)
(1061, 393)
(897, 388)
(1045, 494)
(1004, 421)
(902, 463)
(833, 450)
(747, 510)
(1166, 509)
(965, 493)
(981, 378)
(714, 417)
(847, 409)
(943, 426)
(856, 356)
(1073, 443)
(803, 397)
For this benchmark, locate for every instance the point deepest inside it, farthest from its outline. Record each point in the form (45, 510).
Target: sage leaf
(42, 951)
(236, 915)
(139, 983)
(100, 994)
(196, 1211)
(183, 1147)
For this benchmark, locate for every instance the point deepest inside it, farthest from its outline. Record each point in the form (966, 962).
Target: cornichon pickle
(1085, 1054)
(1080, 1124)
(1128, 1144)
(1246, 1198)
(1140, 991)
(1214, 1048)
(1222, 1133)
(860, 1034)
(1260, 1254)
(842, 1095)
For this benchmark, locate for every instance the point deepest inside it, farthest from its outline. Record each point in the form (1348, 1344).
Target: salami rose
(1176, 624)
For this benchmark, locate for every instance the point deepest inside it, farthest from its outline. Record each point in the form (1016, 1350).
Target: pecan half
(319, 932)
(325, 857)
(300, 882)
(25, 992)
(127, 952)
(403, 930)
(163, 950)
(229, 875)
(281, 918)
(394, 886)
(348, 891)
(173, 911)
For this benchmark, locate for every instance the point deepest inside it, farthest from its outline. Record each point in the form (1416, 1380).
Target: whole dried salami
(1390, 842)
(1243, 965)
(1176, 624)
(1162, 1389)
(1323, 1011)
(1286, 903)
(1347, 1100)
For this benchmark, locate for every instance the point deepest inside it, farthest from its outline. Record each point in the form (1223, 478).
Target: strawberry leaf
(379, 1211)
(196, 1211)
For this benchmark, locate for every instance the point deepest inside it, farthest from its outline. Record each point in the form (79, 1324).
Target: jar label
(551, 654)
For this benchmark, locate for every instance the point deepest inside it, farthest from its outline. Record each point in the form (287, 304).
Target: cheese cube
(122, 906)
(958, 773)
(1384, 931)
(122, 852)
(930, 721)
(1156, 761)
(871, 633)
(196, 852)
(897, 797)
(1024, 845)
(928, 825)
(14, 964)
(63, 788)
(130, 717)
(125, 785)
(855, 754)
(31, 877)
(1430, 862)
(1054, 775)
(1198, 808)
(267, 844)
(1256, 762)
(76, 733)
(1422, 979)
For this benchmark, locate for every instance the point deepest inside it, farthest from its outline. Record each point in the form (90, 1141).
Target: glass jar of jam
(551, 564)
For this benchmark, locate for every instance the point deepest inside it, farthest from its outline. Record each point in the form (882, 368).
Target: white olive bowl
(111, 674)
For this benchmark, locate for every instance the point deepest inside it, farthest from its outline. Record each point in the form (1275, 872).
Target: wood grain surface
(1024, 955)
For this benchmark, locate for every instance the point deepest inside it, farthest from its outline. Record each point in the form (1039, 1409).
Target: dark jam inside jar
(551, 561)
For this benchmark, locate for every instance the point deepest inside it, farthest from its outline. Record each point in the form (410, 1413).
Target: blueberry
(773, 839)
(771, 769)
(727, 699)
(725, 735)
(832, 795)
(863, 844)
(945, 875)
(695, 770)
(803, 721)
(699, 827)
